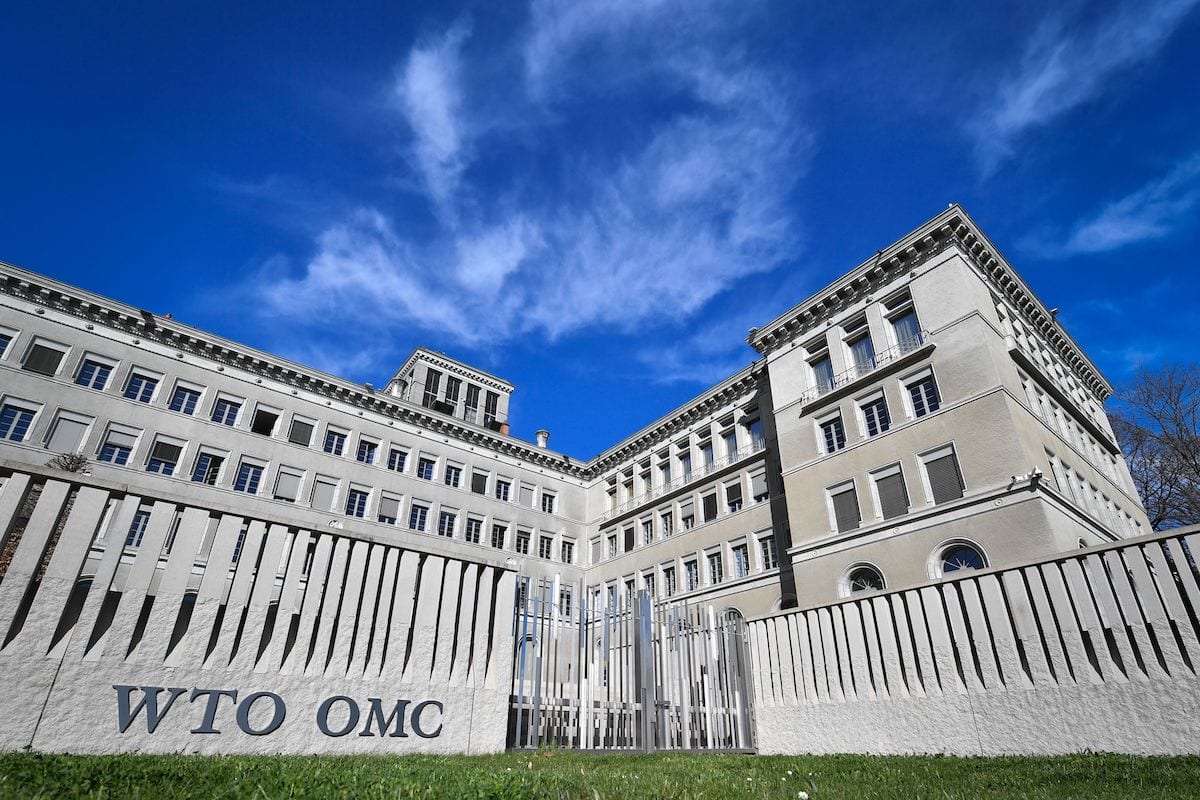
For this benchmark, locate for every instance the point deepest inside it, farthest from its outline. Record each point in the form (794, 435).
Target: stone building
(924, 413)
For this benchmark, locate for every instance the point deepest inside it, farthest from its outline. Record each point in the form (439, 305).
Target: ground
(573, 775)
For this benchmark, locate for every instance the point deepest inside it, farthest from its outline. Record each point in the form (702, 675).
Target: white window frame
(884, 472)
(819, 434)
(49, 344)
(12, 334)
(231, 398)
(836, 489)
(112, 364)
(36, 408)
(170, 440)
(269, 409)
(194, 387)
(861, 414)
(906, 395)
(932, 455)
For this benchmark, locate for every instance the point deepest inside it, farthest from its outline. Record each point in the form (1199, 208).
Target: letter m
(375, 717)
(149, 701)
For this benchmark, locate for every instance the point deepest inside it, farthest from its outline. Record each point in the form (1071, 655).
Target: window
(706, 455)
(140, 387)
(833, 433)
(446, 520)
(862, 355)
(453, 475)
(907, 330)
(164, 456)
(875, 416)
(924, 396)
(453, 388)
(6, 337)
(733, 497)
(627, 535)
(67, 434)
(564, 600)
(356, 502)
(648, 583)
(822, 370)
(669, 584)
(15, 422)
(366, 451)
(547, 502)
(945, 483)
(389, 509)
(567, 551)
(425, 468)
(137, 529)
(479, 482)
(93, 374)
(264, 421)
(612, 545)
(287, 485)
(225, 411)
(239, 544)
(474, 531)
(44, 358)
(691, 572)
(184, 400)
(502, 489)
(741, 560)
(843, 501)
(770, 556)
(417, 516)
(523, 542)
(301, 432)
(323, 492)
(709, 504)
(664, 472)
(960, 556)
(758, 487)
(647, 531)
(731, 448)
(545, 547)
(117, 447)
(666, 521)
(490, 403)
(716, 569)
(527, 495)
(471, 406)
(335, 442)
(397, 458)
(864, 578)
(498, 532)
(890, 491)
(248, 477)
(685, 465)
(433, 380)
(687, 516)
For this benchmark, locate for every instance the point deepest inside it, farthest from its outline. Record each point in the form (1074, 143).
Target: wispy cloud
(1157, 209)
(1066, 65)
(645, 231)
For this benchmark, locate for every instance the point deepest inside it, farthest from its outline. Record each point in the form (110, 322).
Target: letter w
(149, 701)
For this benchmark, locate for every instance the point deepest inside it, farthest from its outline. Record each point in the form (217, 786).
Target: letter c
(416, 719)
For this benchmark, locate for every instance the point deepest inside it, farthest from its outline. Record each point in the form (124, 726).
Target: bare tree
(69, 462)
(1157, 422)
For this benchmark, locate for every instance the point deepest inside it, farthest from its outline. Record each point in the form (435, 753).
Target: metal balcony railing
(858, 371)
(690, 477)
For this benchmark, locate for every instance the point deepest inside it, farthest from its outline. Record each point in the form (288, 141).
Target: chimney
(504, 429)
(543, 436)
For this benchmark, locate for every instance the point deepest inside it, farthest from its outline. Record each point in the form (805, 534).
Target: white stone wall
(305, 615)
(1093, 650)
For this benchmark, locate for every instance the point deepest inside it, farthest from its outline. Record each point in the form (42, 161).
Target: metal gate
(623, 673)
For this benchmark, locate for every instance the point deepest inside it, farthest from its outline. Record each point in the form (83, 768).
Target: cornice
(951, 228)
(449, 364)
(144, 325)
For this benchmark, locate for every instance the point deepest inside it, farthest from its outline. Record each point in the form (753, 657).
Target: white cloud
(645, 234)
(1063, 69)
(1152, 212)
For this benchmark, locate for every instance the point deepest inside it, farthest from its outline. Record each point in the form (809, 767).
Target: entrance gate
(626, 674)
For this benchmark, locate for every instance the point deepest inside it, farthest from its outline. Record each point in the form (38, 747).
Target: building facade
(923, 414)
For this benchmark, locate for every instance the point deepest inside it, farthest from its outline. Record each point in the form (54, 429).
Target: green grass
(572, 775)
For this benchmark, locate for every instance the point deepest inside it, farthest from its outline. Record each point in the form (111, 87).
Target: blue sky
(594, 200)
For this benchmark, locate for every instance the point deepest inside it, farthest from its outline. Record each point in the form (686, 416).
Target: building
(923, 413)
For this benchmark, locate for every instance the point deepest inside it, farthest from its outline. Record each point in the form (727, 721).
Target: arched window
(864, 578)
(958, 556)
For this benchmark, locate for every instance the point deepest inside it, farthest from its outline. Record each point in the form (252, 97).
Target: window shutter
(287, 486)
(758, 484)
(389, 507)
(164, 451)
(733, 493)
(893, 500)
(944, 479)
(301, 433)
(845, 510)
(628, 539)
(687, 509)
(121, 438)
(322, 496)
(527, 496)
(595, 551)
(43, 360)
(479, 483)
(67, 436)
(710, 507)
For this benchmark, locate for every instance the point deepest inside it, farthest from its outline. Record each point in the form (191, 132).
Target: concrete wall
(209, 599)
(1096, 650)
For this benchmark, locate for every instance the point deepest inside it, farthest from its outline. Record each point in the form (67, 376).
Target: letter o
(415, 721)
(323, 716)
(243, 714)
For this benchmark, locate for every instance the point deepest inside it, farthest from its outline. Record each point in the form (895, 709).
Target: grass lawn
(565, 774)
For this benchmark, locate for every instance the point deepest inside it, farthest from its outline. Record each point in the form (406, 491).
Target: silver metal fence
(626, 674)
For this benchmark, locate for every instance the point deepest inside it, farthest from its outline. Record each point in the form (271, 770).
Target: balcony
(882, 363)
(696, 474)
